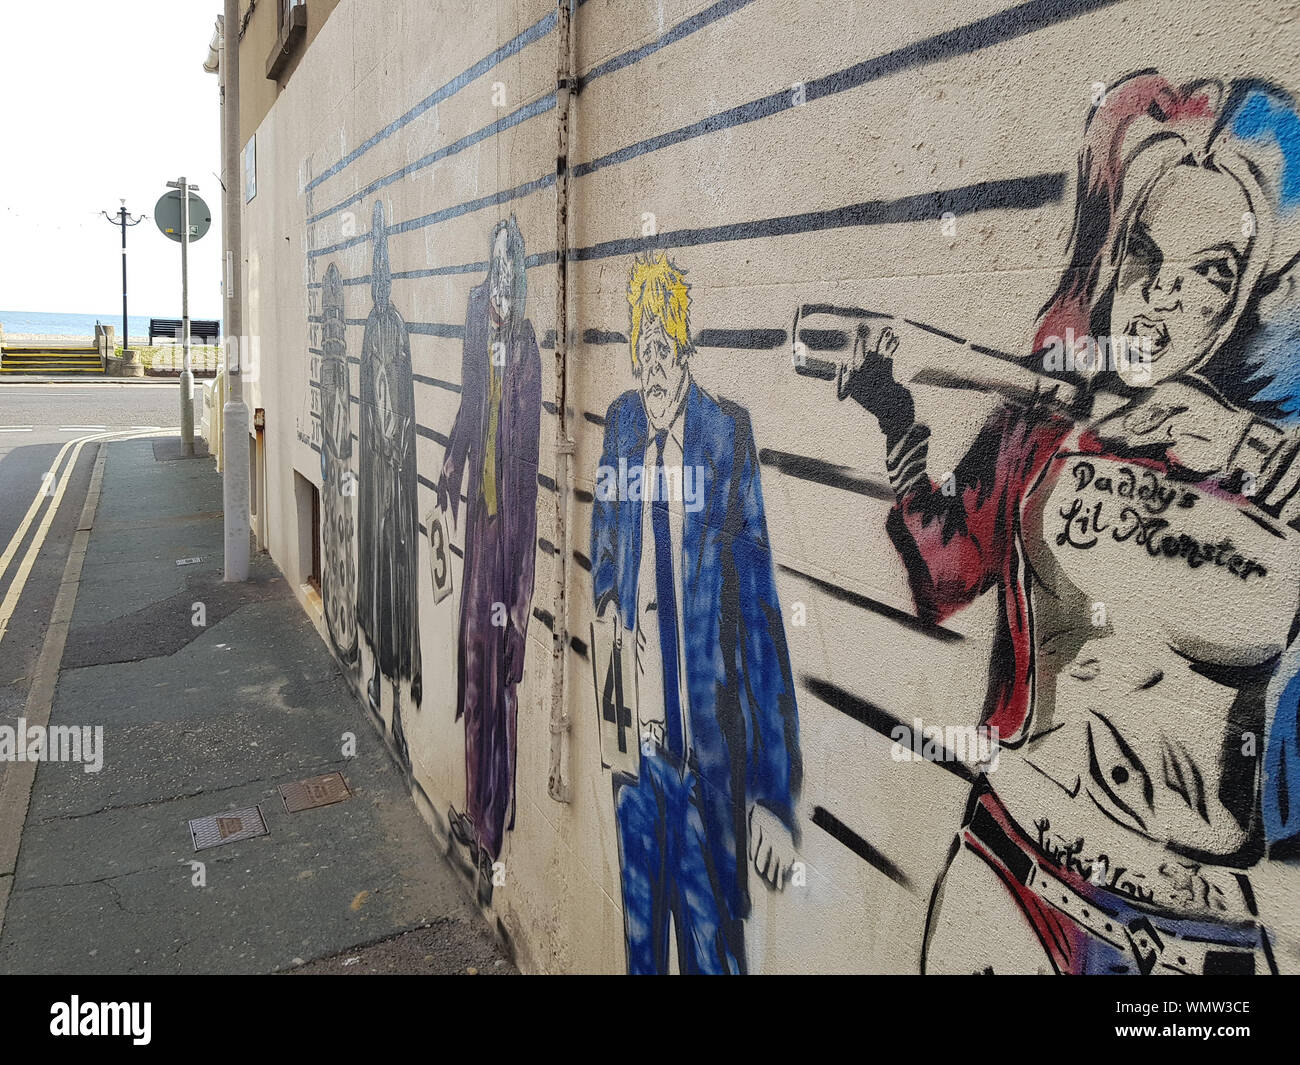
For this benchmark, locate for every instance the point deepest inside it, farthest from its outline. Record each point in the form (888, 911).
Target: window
(286, 14)
(292, 22)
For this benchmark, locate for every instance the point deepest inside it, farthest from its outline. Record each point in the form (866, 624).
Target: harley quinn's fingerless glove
(906, 460)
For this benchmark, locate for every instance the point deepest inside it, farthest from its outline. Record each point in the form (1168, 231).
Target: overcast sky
(100, 101)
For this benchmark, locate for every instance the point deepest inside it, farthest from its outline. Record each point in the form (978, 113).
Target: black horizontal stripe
(822, 369)
(936, 331)
(432, 434)
(522, 114)
(973, 36)
(847, 595)
(436, 329)
(439, 271)
(748, 339)
(876, 719)
(435, 382)
(1021, 193)
(533, 33)
(845, 312)
(676, 33)
(827, 473)
(494, 199)
(994, 29)
(841, 833)
(602, 336)
(995, 353)
(824, 339)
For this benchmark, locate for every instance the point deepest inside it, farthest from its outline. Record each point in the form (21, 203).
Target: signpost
(183, 217)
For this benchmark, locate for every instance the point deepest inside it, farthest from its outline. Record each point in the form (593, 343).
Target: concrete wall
(849, 236)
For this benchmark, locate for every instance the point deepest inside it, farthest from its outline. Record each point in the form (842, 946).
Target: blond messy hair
(658, 288)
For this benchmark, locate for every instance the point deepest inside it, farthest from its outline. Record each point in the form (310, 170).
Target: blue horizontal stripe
(534, 32)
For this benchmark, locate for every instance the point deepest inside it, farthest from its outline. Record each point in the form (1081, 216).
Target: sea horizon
(53, 323)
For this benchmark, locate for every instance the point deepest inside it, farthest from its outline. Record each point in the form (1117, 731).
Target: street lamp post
(123, 219)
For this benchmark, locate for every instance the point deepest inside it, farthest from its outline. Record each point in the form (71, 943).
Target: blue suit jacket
(743, 718)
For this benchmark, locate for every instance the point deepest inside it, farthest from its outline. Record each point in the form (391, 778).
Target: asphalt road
(36, 422)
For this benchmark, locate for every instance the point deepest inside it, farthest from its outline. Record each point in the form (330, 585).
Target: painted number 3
(439, 557)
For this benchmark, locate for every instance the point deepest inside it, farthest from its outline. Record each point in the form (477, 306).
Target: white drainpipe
(223, 59)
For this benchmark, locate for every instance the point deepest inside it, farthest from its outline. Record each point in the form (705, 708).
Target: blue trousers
(668, 870)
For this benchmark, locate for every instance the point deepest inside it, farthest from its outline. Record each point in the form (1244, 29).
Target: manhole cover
(315, 791)
(230, 827)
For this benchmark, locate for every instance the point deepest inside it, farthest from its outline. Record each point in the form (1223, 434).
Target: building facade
(801, 487)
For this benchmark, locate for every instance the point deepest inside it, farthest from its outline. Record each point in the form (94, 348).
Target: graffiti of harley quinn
(1140, 539)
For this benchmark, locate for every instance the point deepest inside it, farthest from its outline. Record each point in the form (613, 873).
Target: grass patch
(204, 358)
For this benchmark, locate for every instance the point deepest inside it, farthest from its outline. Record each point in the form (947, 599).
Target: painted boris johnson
(682, 566)
(495, 438)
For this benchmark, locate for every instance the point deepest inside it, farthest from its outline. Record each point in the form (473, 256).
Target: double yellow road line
(46, 503)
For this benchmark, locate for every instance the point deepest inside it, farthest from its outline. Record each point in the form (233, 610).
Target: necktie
(666, 604)
(488, 485)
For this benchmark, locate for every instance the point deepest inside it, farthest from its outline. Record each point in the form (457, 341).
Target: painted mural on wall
(1136, 514)
(388, 526)
(681, 566)
(1117, 545)
(493, 449)
(338, 482)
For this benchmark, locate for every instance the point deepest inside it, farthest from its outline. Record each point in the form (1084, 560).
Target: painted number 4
(614, 706)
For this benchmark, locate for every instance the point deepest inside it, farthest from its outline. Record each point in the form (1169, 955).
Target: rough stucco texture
(959, 635)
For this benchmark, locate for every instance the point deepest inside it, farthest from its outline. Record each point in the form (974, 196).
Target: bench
(201, 329)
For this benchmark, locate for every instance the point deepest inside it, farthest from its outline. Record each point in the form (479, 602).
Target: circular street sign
(167, 213)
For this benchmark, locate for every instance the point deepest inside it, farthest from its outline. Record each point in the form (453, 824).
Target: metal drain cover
(216, 829)
(315, 791)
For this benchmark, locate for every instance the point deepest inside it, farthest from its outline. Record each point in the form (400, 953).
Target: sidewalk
(88, 379)
(201, 720)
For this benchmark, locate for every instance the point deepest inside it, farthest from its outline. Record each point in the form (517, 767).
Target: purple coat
(500, 554)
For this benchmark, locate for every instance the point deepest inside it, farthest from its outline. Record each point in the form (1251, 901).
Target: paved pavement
(37, 422)
(203, 719)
